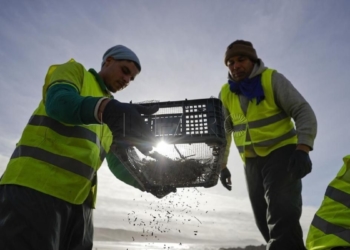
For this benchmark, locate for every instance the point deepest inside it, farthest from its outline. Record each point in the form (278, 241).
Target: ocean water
(104, 245)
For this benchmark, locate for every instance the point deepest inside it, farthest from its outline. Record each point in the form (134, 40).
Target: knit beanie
(241, 48)
(120, 52)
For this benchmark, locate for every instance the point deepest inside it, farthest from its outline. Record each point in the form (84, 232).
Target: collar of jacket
(100, 81)
(250, 88)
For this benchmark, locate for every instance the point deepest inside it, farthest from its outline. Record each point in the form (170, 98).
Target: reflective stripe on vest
(265, 126)
(76, 131)
(63, 162)
(338, 196)
(262, 122)
(329, 228)
(269, 143)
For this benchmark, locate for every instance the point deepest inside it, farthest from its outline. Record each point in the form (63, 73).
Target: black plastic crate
(188, 121)
(192, 137)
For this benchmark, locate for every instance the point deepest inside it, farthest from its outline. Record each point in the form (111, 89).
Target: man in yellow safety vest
(48, 189)
(259, 105)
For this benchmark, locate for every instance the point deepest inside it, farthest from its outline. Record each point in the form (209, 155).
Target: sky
(181, 46)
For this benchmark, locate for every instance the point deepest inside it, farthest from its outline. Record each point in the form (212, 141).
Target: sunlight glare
(163, 148)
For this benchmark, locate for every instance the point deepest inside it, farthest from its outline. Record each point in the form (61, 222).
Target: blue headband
(120, 52)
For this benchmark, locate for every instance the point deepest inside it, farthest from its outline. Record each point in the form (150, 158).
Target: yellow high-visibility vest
(265, 126)
(331, 225)
(59, 159)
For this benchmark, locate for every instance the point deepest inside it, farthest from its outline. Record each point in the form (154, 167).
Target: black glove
(146, 110)
(299, 164)
(225, 178)
(128, 126)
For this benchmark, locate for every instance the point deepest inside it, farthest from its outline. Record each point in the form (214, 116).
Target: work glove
(128, 126)
(299, 164)
(225, 178)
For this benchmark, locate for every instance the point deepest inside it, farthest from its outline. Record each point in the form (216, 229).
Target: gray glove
(225, 178)
(128, 126)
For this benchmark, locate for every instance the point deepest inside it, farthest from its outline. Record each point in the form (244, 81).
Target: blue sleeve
(119, 171)
(64, 104)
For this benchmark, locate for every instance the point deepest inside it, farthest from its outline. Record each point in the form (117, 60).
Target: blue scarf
(250, 88)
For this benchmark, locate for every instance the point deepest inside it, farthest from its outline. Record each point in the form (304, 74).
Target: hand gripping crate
(191, 146)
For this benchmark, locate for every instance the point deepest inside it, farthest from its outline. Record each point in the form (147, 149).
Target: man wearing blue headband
(48, 189)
